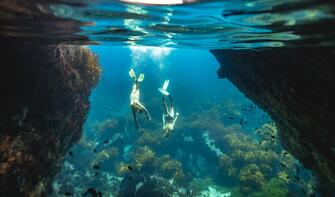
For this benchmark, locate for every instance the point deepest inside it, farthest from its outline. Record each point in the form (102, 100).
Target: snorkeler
(169, 116)
(135, 104)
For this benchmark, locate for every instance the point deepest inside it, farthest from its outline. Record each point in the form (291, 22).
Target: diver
(169, 115)
(135, 104)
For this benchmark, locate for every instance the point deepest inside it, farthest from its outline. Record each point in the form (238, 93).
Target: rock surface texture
(296, 87)
(44, 103)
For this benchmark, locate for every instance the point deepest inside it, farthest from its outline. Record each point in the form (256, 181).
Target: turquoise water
(222, 144)
(204, 25)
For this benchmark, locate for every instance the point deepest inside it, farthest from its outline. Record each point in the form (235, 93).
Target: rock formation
(44, 103)
(295, 86)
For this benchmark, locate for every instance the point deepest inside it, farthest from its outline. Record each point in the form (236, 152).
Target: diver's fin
(132, 74)
(163, 89)
(166, 84)
(141, 78)
(166, 93)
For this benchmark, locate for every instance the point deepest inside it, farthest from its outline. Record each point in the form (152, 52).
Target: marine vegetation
(106, 155)
(170, 168)
(46, 107)
(211, 156)
(274, 188)
(150, 138)
(87, 65)
(251, 178)
(144, 159)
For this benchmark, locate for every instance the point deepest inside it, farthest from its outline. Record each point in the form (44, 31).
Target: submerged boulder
(295, 86)
(44, 103)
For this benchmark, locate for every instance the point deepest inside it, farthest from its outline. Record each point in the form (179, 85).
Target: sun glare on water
(159, 2)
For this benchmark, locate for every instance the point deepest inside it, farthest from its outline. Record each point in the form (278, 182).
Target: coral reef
(42, 112)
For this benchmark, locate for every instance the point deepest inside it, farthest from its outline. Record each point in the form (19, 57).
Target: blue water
(205, 25)
(222, 144)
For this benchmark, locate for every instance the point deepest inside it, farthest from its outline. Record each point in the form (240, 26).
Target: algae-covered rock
(42, 112)
(150, 138)
(251, 178)
(106, 154)
(227, 167)
(294, 86)
(170, 168)
(274, 188)
(122, 169)
(144, 158)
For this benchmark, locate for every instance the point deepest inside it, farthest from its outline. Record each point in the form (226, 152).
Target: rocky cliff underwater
(294, 86)
(44, 103)
(46, 83)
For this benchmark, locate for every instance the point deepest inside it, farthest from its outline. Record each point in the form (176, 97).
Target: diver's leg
(137, 85)
(171, 103)
(148, 115)
(146, 111)
(135, 119)
(163, 120)
(164, 105)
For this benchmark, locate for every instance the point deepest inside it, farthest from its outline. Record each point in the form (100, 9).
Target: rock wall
(32, 21)
(44, 102)
(296, 87)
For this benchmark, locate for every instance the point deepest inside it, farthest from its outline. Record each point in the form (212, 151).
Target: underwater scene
(167, 98)
(222, 144)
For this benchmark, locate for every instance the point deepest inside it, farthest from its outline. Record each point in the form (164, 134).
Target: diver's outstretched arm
(164, 105)
(175, 119)
(135, 119)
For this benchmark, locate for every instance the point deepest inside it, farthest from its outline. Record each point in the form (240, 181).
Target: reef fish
(282, 164)
(112, 138)
(70, 153)
(242, 121)
(97, 167)
(130, 168)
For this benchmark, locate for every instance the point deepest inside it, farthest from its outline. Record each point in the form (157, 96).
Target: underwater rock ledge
(295, 86)
(44, 103)
(34, 22)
